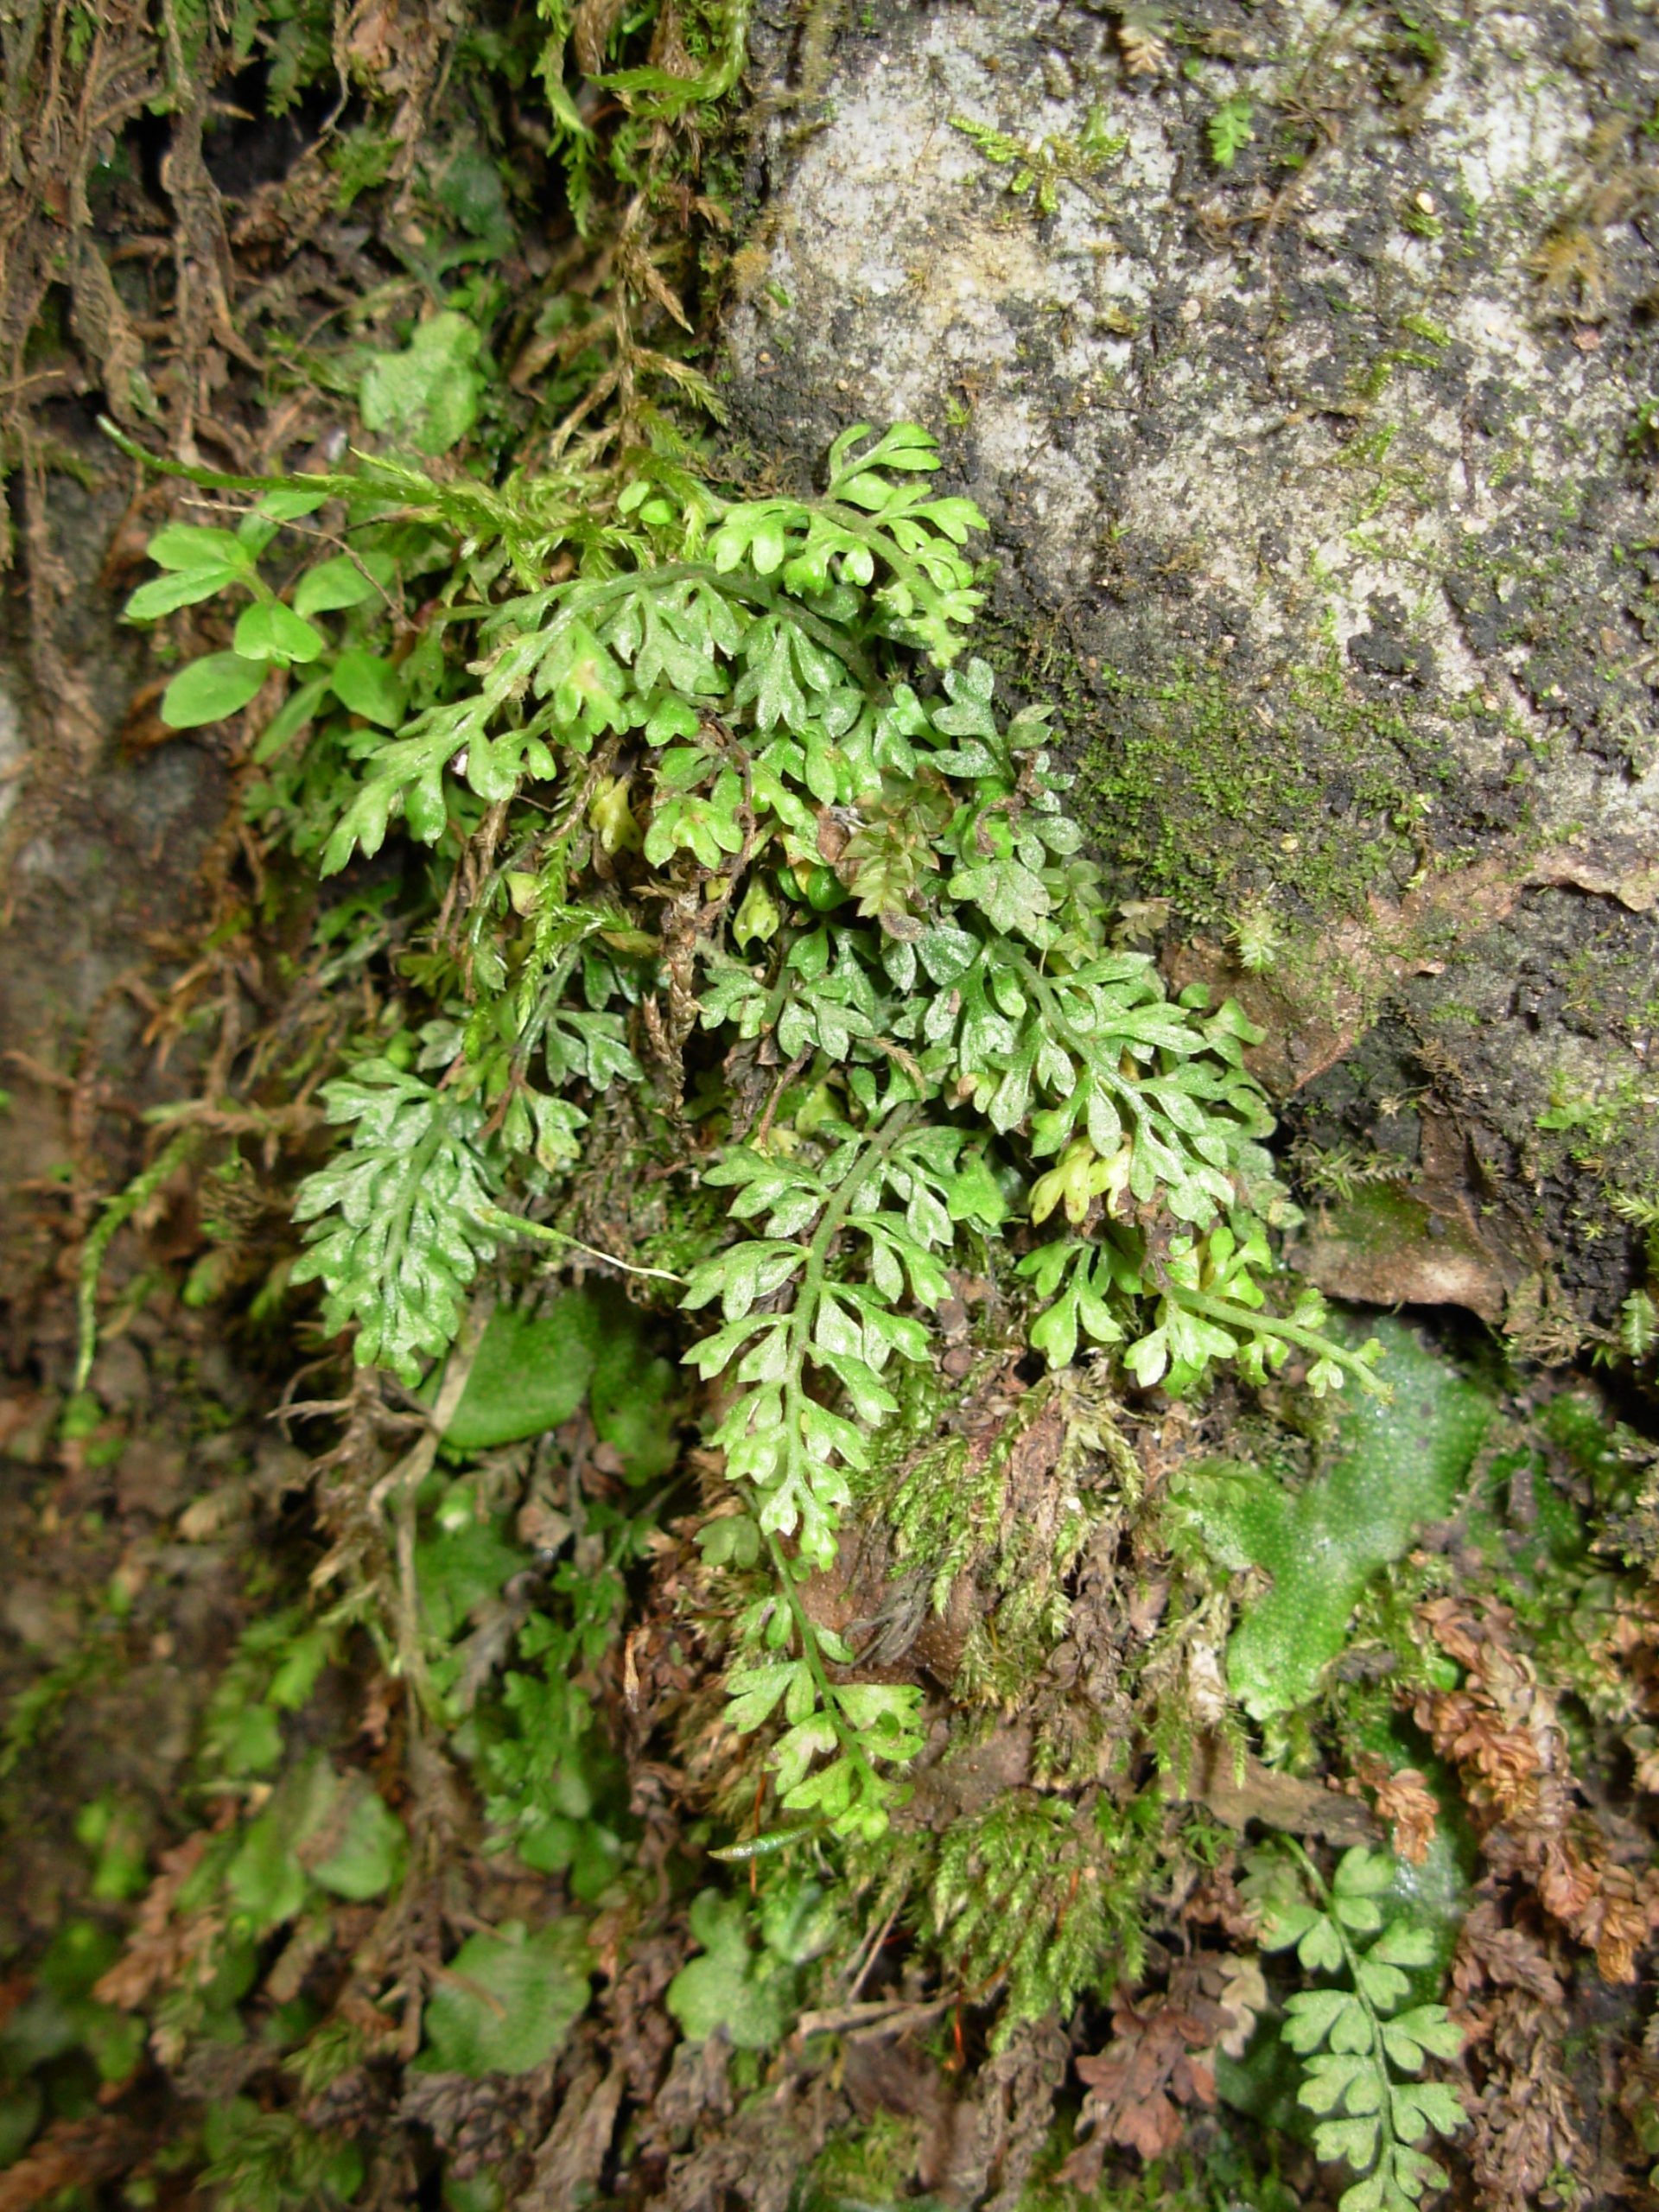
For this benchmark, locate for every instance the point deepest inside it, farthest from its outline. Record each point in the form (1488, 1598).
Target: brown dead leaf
(1402, 1798)
(1160, 2060)
(1503, 1729)
(568, 2163)
(1278, 1800)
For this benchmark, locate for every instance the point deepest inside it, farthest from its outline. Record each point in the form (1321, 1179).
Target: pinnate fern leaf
(1361, 2052)
(396, 1239)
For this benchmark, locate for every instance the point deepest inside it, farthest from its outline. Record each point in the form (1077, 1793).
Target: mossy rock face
(1382, 1246)
(110, 865)
(1319, 486)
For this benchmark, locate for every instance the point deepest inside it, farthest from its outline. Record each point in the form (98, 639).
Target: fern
(659, 95)
(396, 1235)
(1231, 129)
(271, 2162)
(1642, 1212)
(713, 733)
(1256, 938)
(1638, 1327)
(1637, 1333)
(541, 1762)
(1362, 2053)
(121, 1208)
(1042, 169)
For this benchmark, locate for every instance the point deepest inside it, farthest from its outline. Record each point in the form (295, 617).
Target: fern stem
(584, 596)
(835, 1213)
(121, 1208)
(810, 1651)
(1048, 999)
(817, 1257)
(515, 1224)
(403, 1484)
(1235, 1316)
(830, 1226)
(414, 1175)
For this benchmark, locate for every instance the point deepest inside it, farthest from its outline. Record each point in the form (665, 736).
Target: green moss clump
(1205, 795)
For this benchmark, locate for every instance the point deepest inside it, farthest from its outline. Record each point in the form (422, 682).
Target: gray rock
(1322, 500)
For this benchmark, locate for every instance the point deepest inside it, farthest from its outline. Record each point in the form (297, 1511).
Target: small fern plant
(1636, 1336)
(1231, 129)
(726, 802)
(1362, 2054)
(1041, 170)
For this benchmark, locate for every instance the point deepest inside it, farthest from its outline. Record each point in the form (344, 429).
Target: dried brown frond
(1510, 2004)
(70, 2159)
(1141, 42)
(1502, 1729)
(1403, 1798)
(1525, 2135)
(1160, 2062)
(1492, 1955)
(157, 1953)
(590, 32)
(398, 51)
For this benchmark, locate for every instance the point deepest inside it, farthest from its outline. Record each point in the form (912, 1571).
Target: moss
(1601, 1128)
(1395, 1466)
(864, 2166)
(1205, 794)
(1042, 1898)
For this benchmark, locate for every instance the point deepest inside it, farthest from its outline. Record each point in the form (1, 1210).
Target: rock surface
(104, 879)
(1322, 500)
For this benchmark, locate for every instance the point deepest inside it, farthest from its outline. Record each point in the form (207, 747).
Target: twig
(874, 1950)
(879, 2018)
